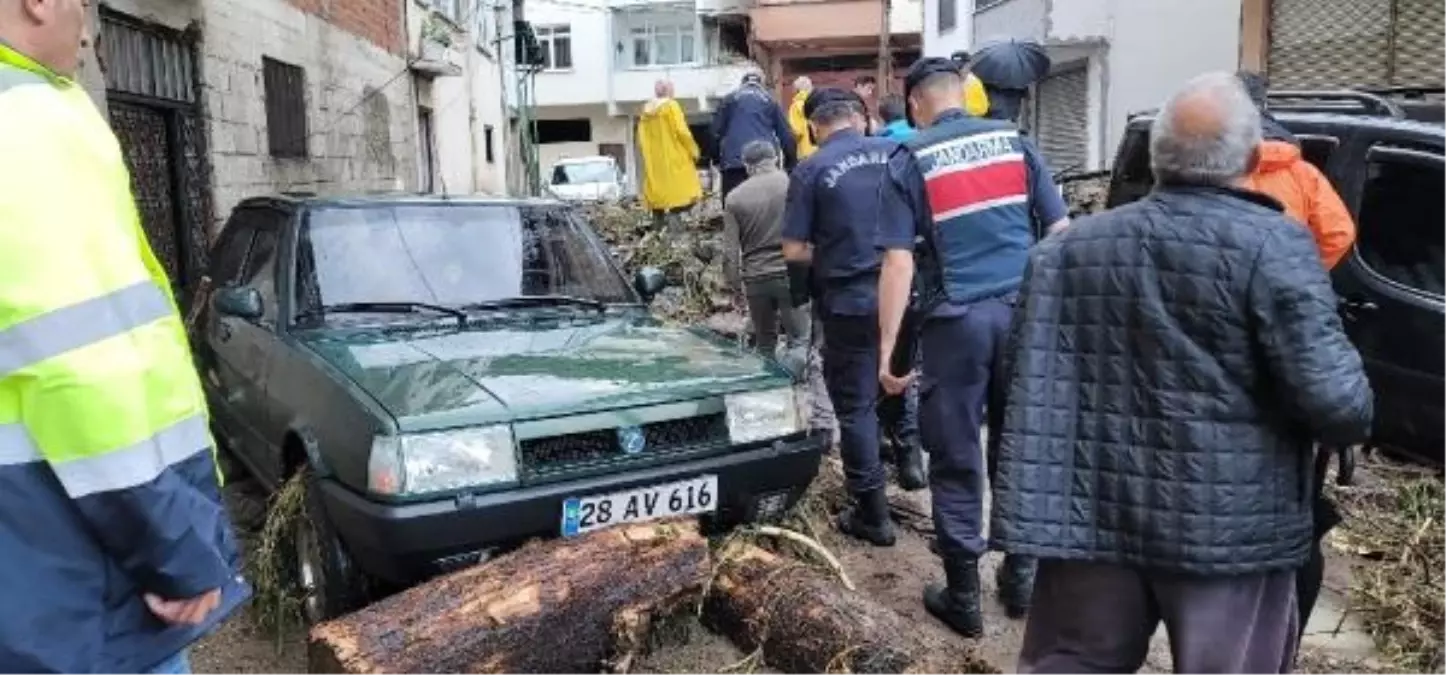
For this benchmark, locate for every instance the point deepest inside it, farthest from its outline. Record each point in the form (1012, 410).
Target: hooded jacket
(976, 101)
(670, 157)
(799, 124)
(1308, 197)
(750, 114)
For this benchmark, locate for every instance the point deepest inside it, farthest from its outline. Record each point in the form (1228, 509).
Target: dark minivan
(1388, 167)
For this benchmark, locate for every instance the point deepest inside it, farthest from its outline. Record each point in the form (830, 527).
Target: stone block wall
(360, 106)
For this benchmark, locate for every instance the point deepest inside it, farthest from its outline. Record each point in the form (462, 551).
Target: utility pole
(884, 58)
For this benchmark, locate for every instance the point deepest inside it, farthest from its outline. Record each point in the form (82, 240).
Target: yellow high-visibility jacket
(670, 157)
(108, 488)
(976, 102)
(799, 124)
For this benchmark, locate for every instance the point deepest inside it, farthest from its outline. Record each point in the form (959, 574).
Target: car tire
(326, 581)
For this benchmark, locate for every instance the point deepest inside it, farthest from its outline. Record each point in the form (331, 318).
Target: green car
(456, 376)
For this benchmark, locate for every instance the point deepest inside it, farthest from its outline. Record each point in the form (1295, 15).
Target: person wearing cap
(749, 114)
(969, 191)
(828, 236)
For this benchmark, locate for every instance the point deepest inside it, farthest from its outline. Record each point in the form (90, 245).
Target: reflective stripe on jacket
(108, 487)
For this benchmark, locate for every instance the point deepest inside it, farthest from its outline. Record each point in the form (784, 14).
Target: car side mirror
(242, 302)
(649, 281)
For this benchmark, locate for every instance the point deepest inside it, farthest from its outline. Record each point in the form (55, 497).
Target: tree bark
(806, 622)
(558, 606)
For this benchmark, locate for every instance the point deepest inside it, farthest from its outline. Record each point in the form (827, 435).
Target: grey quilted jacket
(1170, 365)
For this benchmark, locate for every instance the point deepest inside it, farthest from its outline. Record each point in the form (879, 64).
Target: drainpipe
(468, 73)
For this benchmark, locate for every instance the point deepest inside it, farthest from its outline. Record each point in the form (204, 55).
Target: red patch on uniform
(956, 190)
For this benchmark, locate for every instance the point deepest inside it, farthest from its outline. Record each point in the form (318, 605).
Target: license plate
(581, 515)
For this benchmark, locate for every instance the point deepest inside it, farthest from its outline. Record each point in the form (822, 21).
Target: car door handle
(1352, 309)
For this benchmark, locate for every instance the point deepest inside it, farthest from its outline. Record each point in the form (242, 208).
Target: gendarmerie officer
(829, 224)
(971, 190)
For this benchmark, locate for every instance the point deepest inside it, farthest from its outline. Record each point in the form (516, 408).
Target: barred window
(285, 87)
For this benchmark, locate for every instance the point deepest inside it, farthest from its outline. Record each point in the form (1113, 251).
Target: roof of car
(1362, 121)
(313, 200)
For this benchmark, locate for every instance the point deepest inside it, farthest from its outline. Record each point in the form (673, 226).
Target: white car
(586, 179)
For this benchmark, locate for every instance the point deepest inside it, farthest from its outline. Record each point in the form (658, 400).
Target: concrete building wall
(939, 42)
(1012, 18)
(1156, 45)
(361, 112)
(360, 109)
(587, 81)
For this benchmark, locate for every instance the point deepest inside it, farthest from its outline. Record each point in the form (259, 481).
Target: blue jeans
(179, 664)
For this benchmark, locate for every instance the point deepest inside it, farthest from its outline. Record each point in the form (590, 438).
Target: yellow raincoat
(799, 124)
(670, 157)
(976, 102)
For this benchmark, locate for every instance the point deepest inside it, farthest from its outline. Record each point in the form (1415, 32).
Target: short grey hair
(832, 112)
(759, 154)
(1205, 146)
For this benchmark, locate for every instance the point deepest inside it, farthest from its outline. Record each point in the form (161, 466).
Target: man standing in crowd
(895, 116)
(670, 156)
(115, 551)
(976, 102)
(1172, 363)
(971, 191)
(1310, 199)
(753, 250)
(749, 114)
(867, 88)
(828, 237)
(796, 121)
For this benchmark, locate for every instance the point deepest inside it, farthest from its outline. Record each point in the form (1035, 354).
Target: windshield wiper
(386, 308)
(538, 301)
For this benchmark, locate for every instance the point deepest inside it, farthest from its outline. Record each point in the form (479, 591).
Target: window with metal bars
(947, 14)
(285, 87)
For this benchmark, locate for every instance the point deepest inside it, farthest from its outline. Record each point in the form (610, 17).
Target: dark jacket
(1170, 365)
(752, 227)
(746, 115)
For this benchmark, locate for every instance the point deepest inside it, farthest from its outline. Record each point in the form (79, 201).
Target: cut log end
(552, 606)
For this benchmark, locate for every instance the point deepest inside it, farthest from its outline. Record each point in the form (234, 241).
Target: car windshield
(577, 173)
(450, 256)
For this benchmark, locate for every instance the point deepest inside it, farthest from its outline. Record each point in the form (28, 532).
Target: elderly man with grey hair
(1170, 365)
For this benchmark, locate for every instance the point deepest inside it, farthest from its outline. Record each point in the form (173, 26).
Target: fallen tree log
(805, 622)
(559, 606)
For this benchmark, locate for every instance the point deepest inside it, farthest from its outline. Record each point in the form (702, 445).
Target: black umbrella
(1010, 63)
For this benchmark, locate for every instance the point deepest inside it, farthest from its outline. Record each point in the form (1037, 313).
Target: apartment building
(602, 58)
(1115, 57)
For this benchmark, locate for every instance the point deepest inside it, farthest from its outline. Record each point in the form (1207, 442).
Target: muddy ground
(893, 576)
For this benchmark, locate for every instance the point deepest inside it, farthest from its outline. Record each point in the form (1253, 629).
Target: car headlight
(416, 464)
(761, 415)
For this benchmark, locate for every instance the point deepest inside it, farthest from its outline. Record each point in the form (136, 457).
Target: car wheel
(327, 583)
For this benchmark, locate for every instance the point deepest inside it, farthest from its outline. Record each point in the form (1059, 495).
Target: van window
(1401, 232)
(1318, 150)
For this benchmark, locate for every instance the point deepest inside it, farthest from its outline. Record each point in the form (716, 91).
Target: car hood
(431, 379)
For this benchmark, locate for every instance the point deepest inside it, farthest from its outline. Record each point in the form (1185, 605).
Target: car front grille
(571, 451)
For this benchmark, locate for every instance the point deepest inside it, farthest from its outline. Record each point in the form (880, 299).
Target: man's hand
(190, 612)
(894, 385)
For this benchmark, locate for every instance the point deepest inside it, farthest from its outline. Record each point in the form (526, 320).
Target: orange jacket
(1307, 196)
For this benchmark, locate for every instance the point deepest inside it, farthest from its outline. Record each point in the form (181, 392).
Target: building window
(556, 43)
(981, 5)
(663, 45)
(1401, 237)
(487, 148)
(482, 24)
(948, 14)
(285, 90)
(564, 131)
(452, 9)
